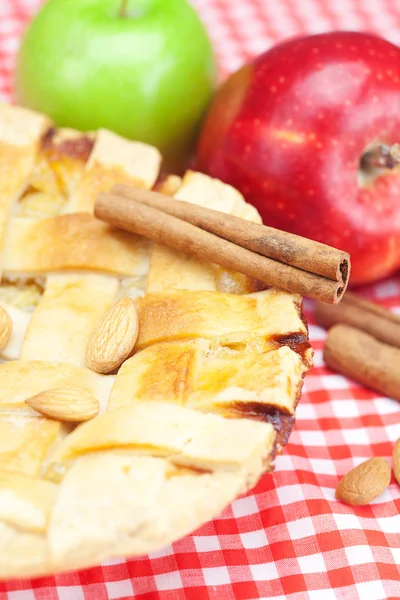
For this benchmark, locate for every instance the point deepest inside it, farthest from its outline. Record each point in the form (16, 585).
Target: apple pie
(200, 404)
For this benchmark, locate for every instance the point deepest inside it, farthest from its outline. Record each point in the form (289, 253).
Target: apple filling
(22, 293)
(59, 167)
(133, 287)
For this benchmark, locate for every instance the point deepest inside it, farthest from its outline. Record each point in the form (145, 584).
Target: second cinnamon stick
(363, 358)
(367, 316)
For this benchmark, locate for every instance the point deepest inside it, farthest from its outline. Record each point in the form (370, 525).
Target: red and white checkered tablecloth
(288, 538)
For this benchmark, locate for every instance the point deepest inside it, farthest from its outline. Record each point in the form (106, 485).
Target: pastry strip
(114, 159)
(20, 134)
(66, 315)
(21, 380)
(217, 316)
(73, 242)
(216, 379)
(186, 437)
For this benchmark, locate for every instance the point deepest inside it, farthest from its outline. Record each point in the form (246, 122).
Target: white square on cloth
(242, 507)
(371, 590)
(168, 581)
(301, 528)
(254, 539)
(206, 543)
(264, 572)
(359, 555)
(314, 563)
(115, 590)
(216, 575)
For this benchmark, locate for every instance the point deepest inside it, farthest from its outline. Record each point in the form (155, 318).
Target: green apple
(142, 68)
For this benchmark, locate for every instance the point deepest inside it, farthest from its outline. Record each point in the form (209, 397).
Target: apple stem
(122, 10)
(381, 156)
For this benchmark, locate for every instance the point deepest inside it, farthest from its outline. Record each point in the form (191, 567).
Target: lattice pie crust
(189, 422)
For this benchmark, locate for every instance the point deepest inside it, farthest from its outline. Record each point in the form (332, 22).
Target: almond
(5, 327)
(65, 405)
(114, 338)
(364, 483)
(396, 461)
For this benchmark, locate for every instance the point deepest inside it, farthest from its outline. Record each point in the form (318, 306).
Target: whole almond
(114, 337)
(396, 461)
(65, 405)
(5, 327)
(364, 483)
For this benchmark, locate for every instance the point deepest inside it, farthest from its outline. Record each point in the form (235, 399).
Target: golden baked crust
(209, 377)
(177, 315)
(189, 421)
(71, 242)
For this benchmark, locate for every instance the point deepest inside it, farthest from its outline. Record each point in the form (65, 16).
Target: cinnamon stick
(281, 246)
(371, 307)
(362, 357)
(176, 233)
(367, 316)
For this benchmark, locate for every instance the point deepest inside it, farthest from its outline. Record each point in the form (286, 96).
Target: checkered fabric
(288, 538)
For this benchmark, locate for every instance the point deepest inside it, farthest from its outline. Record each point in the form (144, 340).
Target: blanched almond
(364, 483)
(113, 339)
(396, 461)
(5, 327)
(65, 405)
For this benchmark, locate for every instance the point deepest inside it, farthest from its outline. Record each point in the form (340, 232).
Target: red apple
(289, 130)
